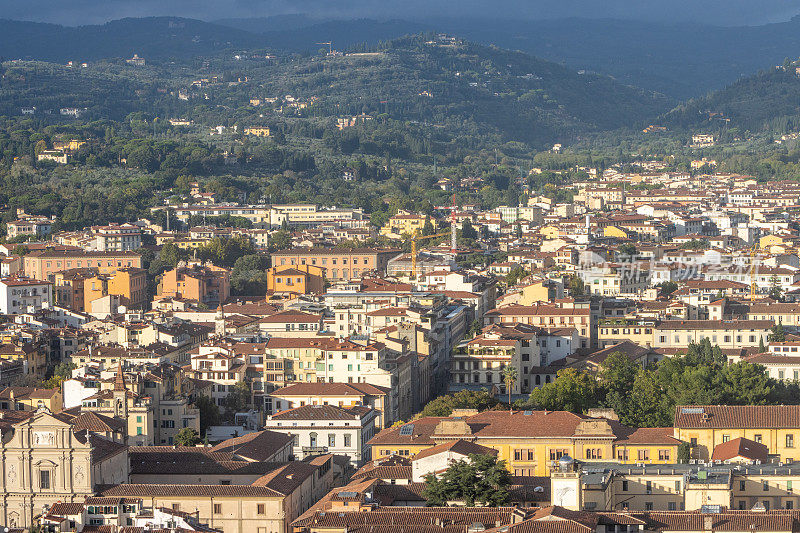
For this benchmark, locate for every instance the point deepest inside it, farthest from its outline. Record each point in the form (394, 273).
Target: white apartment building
(321, 429)
(24, 295)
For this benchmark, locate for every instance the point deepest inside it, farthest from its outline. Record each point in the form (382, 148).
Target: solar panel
(692, 410)
(408, 429)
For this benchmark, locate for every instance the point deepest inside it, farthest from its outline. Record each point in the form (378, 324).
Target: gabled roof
(737, 416)
(258, 446)
(458, 446)
(741, 447)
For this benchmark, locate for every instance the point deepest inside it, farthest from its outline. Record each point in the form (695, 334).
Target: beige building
(723, 333)
(268, 505)
(48, 458)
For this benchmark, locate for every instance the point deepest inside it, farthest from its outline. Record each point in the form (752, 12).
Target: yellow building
(406, 223)
(612, 331)
(35, 356)
(257, 131)
(707, 426)
(616, 232)
(531, 442)
(30, 399)
(298, 279)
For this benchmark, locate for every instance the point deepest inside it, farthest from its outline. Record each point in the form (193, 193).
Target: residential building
(24, 295)
(707, 426)
(339, 264)
(204, 283)
(44, 264)
(323, 429)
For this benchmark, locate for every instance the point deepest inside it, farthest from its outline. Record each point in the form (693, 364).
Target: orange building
(68, 289)
(130, 284)
(208, 284)
(302, 279)
(338, 264)
(44, 264)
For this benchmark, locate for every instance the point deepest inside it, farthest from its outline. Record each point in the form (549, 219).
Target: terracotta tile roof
(738, 521)
(546, 310)
(196, 461)
(741, 447)
(331, 389)
(97, 422)
(737, 416)
(145, 490)
(632, 436)
(27, 393)
(321, 412)
(287, 478)
(541, 424)
(259, 446)
(458, 446)
(727, 325)
(66, 509)
(289, 316)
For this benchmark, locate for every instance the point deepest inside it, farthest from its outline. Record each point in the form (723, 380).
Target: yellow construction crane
(753, 252)
(414, 249)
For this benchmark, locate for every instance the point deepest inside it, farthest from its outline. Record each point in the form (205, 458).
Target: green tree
(667, 287)
(238, 399)
(209, 412)
(778, 334)
(571, 391)
(576, 286)
(463, 399)
(510, 376)
(648, 406)
(467, 231)
(627, 250)
(775, 291)
(481, 479)
(187, 437)
(684, 452)
(617, 376)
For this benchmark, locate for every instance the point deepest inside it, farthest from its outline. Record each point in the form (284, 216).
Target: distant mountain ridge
(680, 60)
(768, 101)
(154, 37)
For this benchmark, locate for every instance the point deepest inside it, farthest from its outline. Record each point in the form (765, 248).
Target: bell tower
(120, 395)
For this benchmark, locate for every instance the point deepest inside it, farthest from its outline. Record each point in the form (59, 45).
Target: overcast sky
(718, 12)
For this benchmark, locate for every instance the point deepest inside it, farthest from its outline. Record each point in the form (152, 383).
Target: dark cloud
(715, 12)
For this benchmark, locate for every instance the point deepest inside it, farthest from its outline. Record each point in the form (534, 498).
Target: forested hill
(153, 37)
(459, 83)
(454, 88)
(765, 102)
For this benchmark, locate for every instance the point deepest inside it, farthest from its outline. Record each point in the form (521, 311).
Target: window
(765, 485)
(663, 455)
(625, 485)
(331, 439)
(643, 455)
(671, 506)
(648, 506)
(741, 486)
(347, 439)
(217, 508)
(262, 508)
(678, 486)
(726, 438)
(176, 507)
(790, 441)
(757, 438)
(44, 479)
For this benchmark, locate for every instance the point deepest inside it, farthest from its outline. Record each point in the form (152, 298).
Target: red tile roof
(741, 447)
(737, 416)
